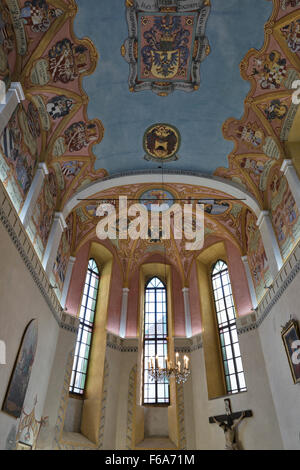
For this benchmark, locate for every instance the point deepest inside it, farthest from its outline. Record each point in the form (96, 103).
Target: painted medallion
(161, 142)
(157, 200)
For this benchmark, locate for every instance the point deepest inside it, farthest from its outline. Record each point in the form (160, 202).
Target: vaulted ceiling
(86, 124)
(83, 117)
(233, 27)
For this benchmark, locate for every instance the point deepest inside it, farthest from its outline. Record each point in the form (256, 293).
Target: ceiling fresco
(224, 218)
(198, 116)
(165, 46)
(81, 119)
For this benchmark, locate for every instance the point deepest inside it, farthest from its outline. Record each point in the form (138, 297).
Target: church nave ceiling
(60, 75)
(81, 120)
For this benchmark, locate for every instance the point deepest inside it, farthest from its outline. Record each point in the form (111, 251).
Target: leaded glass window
(226, 317)
(85, 331)
(155, 340)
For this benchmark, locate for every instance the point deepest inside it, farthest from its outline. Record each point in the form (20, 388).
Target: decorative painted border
(103, 405)
(130, 408)
(20, 239)
(120, 344)
(63, 403)
(246, 323)
(188, 345)
(122, 349)
(284, 278)
(153, 171)
(181, 350)
(69, 322)
(181, 422)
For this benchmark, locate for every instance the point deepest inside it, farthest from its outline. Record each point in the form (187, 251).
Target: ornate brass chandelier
(180, 371)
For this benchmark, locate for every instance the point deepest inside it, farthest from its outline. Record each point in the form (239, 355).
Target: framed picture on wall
(17, 388)
(291, 340)
(23, 446)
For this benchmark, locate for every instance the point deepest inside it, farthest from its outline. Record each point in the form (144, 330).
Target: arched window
(155, 340)
(226, 316)
(85, 331)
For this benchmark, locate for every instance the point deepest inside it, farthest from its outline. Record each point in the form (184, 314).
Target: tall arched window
(226, 316)
(85, 331)
(155, 340)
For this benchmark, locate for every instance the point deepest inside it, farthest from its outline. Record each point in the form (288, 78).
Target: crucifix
(229, 424)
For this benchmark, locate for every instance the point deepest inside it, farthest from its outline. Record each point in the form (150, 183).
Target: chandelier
(179, 371)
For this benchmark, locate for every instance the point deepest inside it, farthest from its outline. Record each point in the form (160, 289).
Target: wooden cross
(229, 424)
(230, 417)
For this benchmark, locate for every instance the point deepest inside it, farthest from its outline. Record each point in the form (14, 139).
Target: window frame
(228, 327)
(156, 340)
(82, 325)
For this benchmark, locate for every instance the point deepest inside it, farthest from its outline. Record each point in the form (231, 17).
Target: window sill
(228, 395)
(77, 441)
(156, 405)
(77, 396)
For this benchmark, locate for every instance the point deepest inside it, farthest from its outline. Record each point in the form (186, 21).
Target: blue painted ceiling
(234, 26)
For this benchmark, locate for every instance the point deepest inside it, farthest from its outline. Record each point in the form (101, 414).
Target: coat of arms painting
(165, 47)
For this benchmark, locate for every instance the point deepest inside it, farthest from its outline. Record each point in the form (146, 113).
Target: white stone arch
(179, 177)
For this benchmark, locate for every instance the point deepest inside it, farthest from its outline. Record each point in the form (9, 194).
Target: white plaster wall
(114, 386)
(73, 415)
(286, 394)
(20, 302)
(63, 354)
(189, 416)
(126, 363)
(259, 432)
(156, 422)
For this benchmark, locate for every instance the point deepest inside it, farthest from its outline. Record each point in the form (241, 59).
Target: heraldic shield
(165, 64)
(166, 45)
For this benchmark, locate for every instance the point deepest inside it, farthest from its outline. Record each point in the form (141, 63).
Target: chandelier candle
(159, 374)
